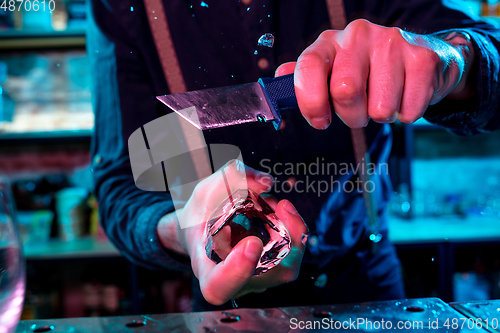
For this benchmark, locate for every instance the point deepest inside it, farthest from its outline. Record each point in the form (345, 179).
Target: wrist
(169, 233)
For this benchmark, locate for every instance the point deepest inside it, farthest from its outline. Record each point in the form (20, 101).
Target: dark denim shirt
(215, 46)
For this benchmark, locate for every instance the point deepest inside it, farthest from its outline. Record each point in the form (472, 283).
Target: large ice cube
(245, 214)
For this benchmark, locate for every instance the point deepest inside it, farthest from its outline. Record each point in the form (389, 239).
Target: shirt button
(321, 281)
(97, 159)
(263, 63)
(246, 2)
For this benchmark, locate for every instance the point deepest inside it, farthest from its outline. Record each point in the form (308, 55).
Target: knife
(232, 105)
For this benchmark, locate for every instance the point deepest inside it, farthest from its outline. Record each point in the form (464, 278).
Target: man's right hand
(368, 71)
(233, 277)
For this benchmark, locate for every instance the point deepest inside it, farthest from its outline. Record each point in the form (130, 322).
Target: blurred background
(445, 215)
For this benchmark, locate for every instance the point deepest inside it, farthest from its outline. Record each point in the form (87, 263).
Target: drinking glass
(12, 266)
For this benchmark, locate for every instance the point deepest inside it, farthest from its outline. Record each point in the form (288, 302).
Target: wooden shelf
(33, 39)
(413, 231)
(77, 249)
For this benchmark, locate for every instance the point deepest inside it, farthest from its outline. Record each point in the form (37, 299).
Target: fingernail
(264, 179)
(392, 119)
(289, 207)
(320, 122)
(252, 250)
(386, 120)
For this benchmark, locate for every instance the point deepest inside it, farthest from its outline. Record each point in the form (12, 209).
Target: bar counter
(422, 315)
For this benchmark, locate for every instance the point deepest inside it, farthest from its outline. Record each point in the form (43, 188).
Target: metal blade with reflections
(220, 107)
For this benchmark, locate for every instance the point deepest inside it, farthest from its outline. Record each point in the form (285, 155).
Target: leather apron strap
(338, 21)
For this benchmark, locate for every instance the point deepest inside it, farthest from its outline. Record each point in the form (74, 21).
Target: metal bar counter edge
(423, 315)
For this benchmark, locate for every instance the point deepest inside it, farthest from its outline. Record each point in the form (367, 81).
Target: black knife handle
(280, 94)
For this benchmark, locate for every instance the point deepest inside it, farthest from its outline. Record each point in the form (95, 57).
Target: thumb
(225, 279)
(296, 226)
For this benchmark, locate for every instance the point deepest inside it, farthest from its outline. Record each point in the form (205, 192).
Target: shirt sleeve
(120, 90)
(479, 114)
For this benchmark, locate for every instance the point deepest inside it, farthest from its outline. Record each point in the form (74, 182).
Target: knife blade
(232, 105)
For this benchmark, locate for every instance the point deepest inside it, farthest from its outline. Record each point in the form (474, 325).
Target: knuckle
(394, 34)
(392, 39)
(326, 35)
(308, 59)
(359, 24)
(424, 59)
(345, 92)
(358, 28)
